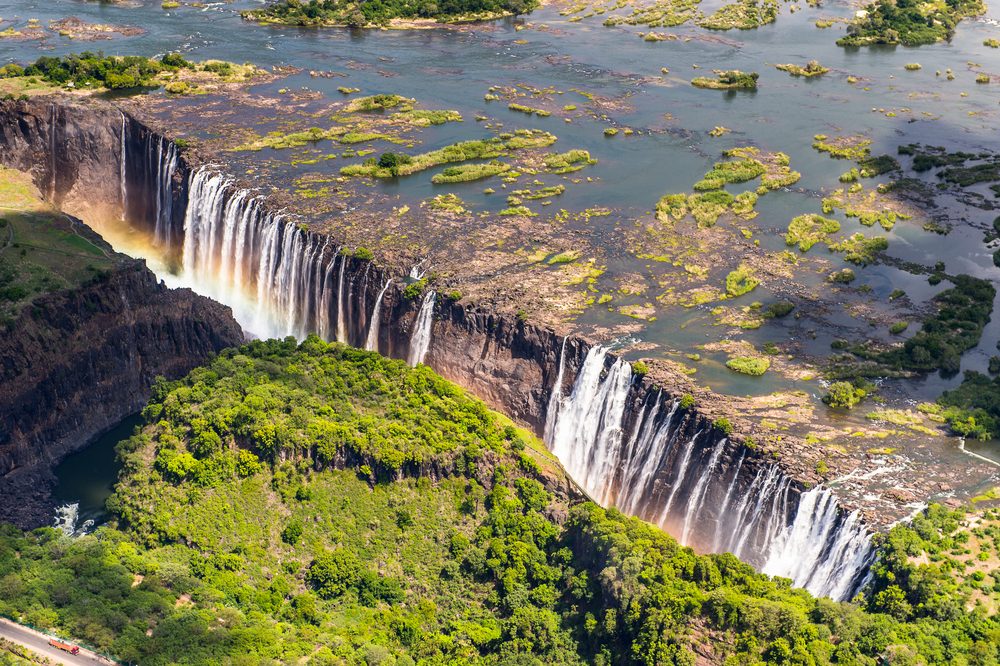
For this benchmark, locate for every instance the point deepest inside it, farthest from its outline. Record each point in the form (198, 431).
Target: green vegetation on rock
(462, 151)
(732, 79)
(749, 365)
(963, 311)
(843, 395)
(811, 68)
(742, 14)
(807, 230)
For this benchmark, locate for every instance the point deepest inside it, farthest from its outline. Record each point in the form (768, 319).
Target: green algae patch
(568, 162)
(843, 147)
(860, 249)
(733, 79)
(710, 201)
(807, 230)
(658, 14)
(449, 202)
(741, 281)
(528, 110)
(732, 171)
(375, 103)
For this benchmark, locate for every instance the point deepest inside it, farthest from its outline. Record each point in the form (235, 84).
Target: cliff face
(76, 362)
(72, 151)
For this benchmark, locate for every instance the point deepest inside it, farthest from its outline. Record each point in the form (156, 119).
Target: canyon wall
(627, 443)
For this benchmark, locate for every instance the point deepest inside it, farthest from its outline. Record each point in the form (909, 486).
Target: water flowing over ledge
(668, 466)
(627, 443)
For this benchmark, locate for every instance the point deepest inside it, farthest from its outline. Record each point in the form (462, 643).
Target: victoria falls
(499, 332)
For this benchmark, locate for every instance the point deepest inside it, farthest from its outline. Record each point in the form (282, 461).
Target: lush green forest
(380, 12)
(318, 504)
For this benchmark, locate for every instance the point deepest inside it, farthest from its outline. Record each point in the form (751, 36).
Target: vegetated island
(397, 13)
(811, 68)
(315, 502)
(732, 79)
(90, 71)
(908, 22)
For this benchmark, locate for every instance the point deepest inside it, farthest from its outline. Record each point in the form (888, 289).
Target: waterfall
(661, 462)
(587, 434)
(555, 397)
(728, 499)
(679, 481)
(341, 317)
(123, 191)
(52, 152)
(371, 343)
(698, 494)
(421, 339)
(276, 275)
(663, 467)
(822, 550)
(166, 166)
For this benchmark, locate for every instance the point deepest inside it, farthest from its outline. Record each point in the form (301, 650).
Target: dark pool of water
(88, 476)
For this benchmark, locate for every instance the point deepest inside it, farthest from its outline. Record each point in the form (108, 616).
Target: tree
(843, 395)
(332, 574)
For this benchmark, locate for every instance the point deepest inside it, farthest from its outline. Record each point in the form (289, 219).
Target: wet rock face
(72, 151)
(75, 363)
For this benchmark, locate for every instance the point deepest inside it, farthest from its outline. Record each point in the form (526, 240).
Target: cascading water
(122, 189)
(67, 520)
(420, 342)
(555, 397)
(587, 434)
(276, 275)
(822, 550)
(695, 485)
(166, 166)
(371, 343)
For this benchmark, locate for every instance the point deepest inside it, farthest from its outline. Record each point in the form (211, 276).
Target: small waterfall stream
(421, 340)
(122, 189)
(371, 343)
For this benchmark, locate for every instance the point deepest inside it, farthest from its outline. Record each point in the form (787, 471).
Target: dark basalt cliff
(76, 362)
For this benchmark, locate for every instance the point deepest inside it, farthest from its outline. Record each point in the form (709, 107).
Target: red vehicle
(62, 645)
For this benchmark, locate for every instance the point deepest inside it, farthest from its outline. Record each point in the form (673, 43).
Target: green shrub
(723, 425)
(843, 395)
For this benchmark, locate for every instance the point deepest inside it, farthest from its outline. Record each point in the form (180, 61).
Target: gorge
(627, 442)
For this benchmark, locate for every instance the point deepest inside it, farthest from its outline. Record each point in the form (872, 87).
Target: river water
(86, 479)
